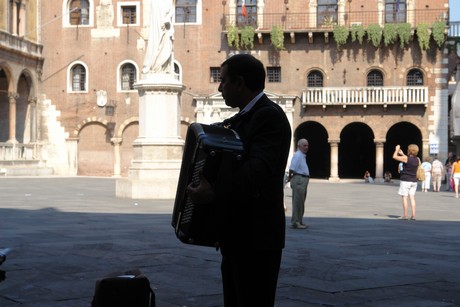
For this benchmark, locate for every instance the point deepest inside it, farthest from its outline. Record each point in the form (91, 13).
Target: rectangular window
(247, 14)
(327, 12)
(215, 74)
(186, 11)
(395, 11)
(129, 15)
(274, 74)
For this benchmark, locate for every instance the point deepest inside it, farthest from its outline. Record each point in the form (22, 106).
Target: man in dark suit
(252, 223)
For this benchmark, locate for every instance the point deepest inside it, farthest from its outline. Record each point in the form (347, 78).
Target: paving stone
(68, 232)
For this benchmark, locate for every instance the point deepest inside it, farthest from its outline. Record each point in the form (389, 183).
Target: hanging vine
(357, 33)
(390, 34)
(247, 37)
(277, 37)
(423, 35)
(439, 36)
(404, 34)
(374, 34)
(233, 38)
(341, 34)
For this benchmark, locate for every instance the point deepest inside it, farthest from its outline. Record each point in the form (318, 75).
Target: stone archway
(95, 154)
(403, 133)
(356, 151)
(4, 105)
(318, 156)
(23, 116)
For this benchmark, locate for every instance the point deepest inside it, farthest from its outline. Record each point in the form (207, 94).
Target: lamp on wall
(110, 108)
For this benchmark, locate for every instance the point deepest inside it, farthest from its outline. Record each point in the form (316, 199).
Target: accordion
(208, 149)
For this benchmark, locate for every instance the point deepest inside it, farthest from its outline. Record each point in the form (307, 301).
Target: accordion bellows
(207, 149)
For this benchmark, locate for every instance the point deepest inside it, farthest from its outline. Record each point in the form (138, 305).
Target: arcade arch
(319, 150)
(95, 154)
(403, 134)
(357, 148)
(356, 151)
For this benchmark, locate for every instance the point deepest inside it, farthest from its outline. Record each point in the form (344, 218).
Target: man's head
(302, 145)
(242, 78)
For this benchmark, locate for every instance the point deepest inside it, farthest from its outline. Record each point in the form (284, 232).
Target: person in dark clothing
(252, 221)
(408, 177)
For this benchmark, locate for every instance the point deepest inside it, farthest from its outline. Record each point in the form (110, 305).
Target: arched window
(414, 77)
(326, 13)
(79, 12)
(78, 73)
(315, 79)
(128, 77)
(375, 78)
(178, 71)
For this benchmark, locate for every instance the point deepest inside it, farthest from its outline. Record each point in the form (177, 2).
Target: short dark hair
(249, 68)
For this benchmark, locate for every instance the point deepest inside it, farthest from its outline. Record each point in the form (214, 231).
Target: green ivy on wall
(357, 32)
(233, 38)
(374, 34)
(390, 34)
(341, 34)
(277, 37)
(247, 37)
(404, 32)
(423, 35)
(439, 36)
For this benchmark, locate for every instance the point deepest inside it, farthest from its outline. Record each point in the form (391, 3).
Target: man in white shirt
(437, 171)
(299, 176)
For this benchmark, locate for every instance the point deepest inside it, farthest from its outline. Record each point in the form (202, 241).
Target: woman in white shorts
(456, 175)
(408, 177)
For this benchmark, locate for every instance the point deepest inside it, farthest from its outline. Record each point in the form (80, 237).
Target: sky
(454, 7)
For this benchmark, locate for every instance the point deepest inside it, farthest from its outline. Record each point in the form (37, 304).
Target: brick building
(354, 77)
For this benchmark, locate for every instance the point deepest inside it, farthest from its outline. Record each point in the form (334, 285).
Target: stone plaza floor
(68, 232)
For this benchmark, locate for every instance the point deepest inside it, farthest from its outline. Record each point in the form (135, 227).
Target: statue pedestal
(157, 152)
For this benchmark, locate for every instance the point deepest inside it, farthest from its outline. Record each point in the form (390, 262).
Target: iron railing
(454, 29)
(298, 22)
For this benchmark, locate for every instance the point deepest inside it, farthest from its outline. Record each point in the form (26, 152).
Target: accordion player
(209, 149)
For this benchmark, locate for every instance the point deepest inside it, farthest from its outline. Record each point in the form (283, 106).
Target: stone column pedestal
(157, 152)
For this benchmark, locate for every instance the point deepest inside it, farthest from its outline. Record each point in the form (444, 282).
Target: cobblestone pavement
(68, 232)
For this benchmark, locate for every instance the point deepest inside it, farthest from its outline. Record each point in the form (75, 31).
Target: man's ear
(240, 82)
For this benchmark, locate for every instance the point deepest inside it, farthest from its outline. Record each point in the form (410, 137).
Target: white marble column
(116, 153)
(334, 177)
(379, 160)
(12, 118)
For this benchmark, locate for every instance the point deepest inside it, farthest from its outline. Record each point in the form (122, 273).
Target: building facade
(354, 77)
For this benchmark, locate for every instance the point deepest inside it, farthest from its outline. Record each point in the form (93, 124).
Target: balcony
(365, 96)
(13, 43)
(313, 22)
(454, 29)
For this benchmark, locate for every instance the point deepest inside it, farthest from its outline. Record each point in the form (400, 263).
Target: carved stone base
(153, 174)
(157, 152)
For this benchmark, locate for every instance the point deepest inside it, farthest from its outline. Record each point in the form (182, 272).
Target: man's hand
(203, 193)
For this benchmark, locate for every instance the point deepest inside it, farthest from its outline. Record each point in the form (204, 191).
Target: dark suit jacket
(253, 197)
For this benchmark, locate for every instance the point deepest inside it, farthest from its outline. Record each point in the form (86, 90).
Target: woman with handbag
(408, 177)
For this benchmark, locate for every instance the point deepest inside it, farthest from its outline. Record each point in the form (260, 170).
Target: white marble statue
(159, 55)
